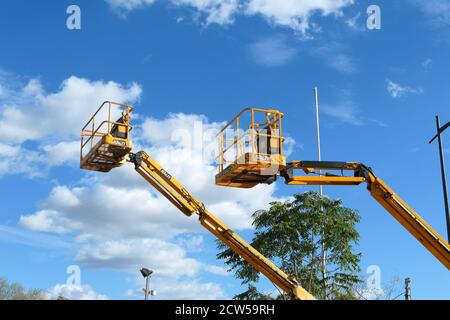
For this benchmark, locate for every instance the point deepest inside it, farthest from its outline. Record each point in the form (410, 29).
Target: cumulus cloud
(61, 113)
(74, 292)
(51, 121)
(293, 14)
(179, 143)
(216, 11)
(398, 91)
(123, 7)
(119, 222)
(169, 259)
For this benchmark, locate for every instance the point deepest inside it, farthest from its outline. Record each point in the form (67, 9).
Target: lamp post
(444, 177)
(146, 273)
(408, 289)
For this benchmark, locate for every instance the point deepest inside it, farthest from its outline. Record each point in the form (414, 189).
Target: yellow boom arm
(168, 186)
(403, 213)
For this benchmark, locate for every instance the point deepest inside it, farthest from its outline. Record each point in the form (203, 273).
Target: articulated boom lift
(250, 153)
(254, 156)
(103, 150)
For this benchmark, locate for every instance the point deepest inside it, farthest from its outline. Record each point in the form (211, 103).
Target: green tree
(15, 291)
(252, 294)
(311, 238)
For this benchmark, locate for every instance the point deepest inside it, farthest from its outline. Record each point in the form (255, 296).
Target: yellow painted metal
(323, 180)
(410, 220)
(175, 192)
(105, 143)
(250, 148)
(111, 148)
(242, 174)
(249, 170)
(398, 208)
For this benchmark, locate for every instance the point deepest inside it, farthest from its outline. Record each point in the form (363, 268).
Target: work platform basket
(105, 143)
(251, 149)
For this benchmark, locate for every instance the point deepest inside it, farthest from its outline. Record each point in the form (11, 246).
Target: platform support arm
(175, 192)
(384, 195)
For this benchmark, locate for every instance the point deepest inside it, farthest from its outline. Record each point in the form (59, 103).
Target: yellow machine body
(315, 173)
(250, 149)
(111, 146)
(247, 157)
(105, 143)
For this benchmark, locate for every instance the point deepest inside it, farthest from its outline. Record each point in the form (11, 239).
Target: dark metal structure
(440, 130)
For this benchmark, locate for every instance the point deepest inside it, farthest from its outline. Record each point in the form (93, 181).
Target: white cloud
(8, 150)
(272, 51)
(45, 221)
(181, 290)
(169, 260)
(120, 222)
(124, 6)
(190, 290)
(179, 143)
(397, 91)
(354, 23)
(51, 121)
(175, 275)
(74, 292)
(191, 243)
(61, 113)
(294, 14)
(62, 152)
(217, 11)
(117, 220)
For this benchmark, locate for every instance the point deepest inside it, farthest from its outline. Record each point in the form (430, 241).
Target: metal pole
(316, 95)
(147, 285)
(444, 177)
(407, 289)
(322, 244)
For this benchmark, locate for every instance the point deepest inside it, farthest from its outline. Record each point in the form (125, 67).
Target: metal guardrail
(240, 141)
(88, 136)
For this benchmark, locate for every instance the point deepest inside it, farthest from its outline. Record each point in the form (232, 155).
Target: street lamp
(146, 273)
(444, 178)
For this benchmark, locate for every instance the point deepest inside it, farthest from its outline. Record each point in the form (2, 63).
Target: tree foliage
(311, 238)
(15, 291)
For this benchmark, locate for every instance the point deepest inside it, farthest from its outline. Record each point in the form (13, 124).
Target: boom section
(175, 192)
(384, 195)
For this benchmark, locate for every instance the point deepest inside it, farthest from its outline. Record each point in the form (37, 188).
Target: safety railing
(100, 124)
(253, 130)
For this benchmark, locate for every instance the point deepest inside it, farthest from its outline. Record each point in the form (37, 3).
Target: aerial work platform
(250, 153)
(250, 149)
(105, 144)
(109, 145)
(255, 156)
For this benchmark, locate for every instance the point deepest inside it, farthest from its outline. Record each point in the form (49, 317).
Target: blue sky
(184, 62)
